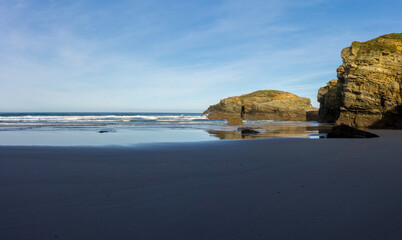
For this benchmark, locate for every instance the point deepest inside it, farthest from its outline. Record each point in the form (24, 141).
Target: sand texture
(251, 189)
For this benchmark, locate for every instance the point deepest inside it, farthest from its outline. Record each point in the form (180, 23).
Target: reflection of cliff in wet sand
(274, 130)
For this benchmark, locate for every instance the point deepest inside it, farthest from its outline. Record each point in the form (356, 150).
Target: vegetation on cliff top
(380, 44)
(392, 36)
(268, 93)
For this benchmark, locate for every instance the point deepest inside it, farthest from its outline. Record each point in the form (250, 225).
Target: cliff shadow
(391, 119)
(312, 115)
(329, 98)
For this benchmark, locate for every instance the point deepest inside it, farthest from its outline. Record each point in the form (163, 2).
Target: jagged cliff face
(329, 97)
(368, 92)
(263, 105)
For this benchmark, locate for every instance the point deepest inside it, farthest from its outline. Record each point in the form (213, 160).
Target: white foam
(30, 120)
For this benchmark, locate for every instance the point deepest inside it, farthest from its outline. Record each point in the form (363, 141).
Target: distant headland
(262, 105)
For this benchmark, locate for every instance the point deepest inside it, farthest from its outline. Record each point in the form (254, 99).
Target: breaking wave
(102, 119)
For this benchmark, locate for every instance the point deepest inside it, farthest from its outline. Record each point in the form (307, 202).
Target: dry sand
(252, 189)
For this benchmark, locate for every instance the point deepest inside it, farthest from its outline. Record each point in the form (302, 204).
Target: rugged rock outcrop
(264, 105)
(368, 92)
(329, 98)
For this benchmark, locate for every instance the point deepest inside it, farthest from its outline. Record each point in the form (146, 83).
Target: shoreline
(260, 189)
(127, 136)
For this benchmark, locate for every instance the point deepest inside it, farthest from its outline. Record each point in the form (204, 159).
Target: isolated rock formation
(368, 92)
(264, 105)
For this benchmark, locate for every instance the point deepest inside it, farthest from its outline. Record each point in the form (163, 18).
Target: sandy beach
(238, 189)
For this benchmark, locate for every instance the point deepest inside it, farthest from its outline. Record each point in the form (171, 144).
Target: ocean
(106, 119)
(122, 128)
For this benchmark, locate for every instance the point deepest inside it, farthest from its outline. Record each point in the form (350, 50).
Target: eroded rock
(263, 105)
(368, 92)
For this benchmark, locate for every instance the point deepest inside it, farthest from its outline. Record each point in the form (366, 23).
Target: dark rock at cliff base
(264, 105)
(345, 131)
(247, 131)
(368, 91)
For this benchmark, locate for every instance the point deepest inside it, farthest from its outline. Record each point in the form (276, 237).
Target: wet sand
(247, 189)
(275, 130)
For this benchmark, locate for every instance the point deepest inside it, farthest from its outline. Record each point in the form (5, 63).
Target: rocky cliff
(368, 92)
(329, 99)
(263, 105)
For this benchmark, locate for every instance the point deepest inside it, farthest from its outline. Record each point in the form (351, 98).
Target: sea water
(121, 128)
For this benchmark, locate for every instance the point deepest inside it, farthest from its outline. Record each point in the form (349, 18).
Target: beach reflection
(275, 130)
(129, 136)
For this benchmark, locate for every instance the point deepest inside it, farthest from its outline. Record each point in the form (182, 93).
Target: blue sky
(170, 55)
